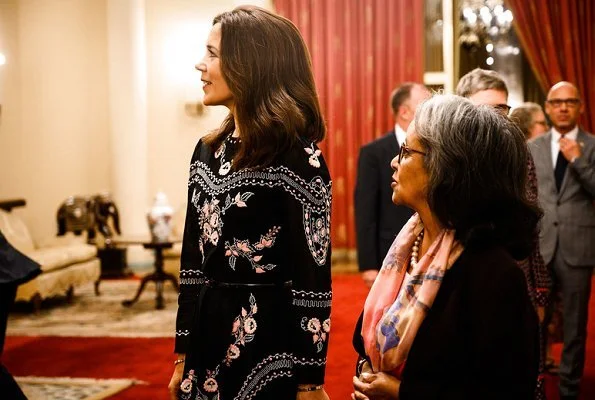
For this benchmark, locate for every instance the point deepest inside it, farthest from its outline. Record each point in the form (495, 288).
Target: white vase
(160, 218)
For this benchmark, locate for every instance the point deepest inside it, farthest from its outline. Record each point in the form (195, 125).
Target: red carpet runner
(150, 360)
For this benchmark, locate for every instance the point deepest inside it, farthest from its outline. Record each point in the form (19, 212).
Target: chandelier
(483, 22)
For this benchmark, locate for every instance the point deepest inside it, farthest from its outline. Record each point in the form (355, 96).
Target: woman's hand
(313, 395)
(175, 381)
(379, 386)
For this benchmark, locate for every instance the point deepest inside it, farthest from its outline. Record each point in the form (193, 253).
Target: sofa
(66, 262)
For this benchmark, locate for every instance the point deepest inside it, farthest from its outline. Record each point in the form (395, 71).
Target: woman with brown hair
(255, 288)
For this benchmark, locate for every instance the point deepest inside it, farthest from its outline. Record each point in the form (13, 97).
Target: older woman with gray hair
(530, 118)
(449, 316)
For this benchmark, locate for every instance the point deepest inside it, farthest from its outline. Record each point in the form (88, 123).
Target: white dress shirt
(556, 136)
(400, 134)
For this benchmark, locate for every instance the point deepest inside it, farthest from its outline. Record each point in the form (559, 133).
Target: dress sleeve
(190, 262)
(308, 214)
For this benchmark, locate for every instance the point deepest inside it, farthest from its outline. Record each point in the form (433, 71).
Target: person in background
(530, 118)
(255, 279)
(377, 219)
(449, 315)
(485, 87)
(15, 269)
(565, 163)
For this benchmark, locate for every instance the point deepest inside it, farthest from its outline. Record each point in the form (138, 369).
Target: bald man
(565, 164)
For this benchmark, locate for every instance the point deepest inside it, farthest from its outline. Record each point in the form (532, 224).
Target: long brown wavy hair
(268, 70)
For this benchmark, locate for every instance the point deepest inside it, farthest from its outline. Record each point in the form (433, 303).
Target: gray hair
(477, 166)
(523, 116)
(479, 80)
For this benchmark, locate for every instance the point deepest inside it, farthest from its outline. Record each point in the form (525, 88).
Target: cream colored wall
(176, 35)
(54, 139)
(54, 127)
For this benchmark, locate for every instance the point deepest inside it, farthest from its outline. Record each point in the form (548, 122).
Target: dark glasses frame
(406, 150)
(571, 102)
(503, 109)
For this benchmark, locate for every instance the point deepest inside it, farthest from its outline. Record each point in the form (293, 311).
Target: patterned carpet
(90, 315)
(40, 388)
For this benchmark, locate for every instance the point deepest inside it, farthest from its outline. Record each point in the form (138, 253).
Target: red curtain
(361, 50)
(558, 38)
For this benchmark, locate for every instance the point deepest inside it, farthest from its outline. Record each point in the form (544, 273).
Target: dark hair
(400, 95)
(267, 67)
(477, 167)
(479, 80)
(523, 116)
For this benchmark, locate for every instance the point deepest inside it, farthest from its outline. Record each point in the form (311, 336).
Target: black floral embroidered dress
(255, 285)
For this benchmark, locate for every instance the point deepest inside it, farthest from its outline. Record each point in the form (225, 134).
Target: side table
(159, 276)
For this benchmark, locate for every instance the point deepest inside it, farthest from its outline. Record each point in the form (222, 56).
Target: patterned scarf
(393, 312)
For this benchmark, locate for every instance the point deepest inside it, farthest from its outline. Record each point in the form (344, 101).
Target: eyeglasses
(556, 103)
(502, 108)
(406, 152)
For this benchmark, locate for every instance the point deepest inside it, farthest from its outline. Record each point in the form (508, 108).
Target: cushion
(52, 258)
(16, 232)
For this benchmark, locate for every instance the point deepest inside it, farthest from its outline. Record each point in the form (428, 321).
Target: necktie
(561, 164)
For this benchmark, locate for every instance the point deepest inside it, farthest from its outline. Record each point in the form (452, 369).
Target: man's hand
(369, 276)
(379, 386)
(570, 148)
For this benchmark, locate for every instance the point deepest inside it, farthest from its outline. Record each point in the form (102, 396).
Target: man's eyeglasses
(556, 103)
(501, 108)
(406, 152)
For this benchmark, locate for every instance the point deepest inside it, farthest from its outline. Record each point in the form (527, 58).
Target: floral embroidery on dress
(186, 385)
(247, 250)
(225, 165)
(319, 331)
(220, 153)
(211, 384)
(210, 217)
(314, 154)
(243, 329)
(317, 225)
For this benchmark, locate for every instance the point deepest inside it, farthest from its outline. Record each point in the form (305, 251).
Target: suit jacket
(569, 215)
(377, 219)
(479, 340)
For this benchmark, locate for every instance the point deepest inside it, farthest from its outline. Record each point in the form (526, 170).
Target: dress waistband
(229, 285)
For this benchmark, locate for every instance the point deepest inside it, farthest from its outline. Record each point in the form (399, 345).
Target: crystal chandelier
(483, 22)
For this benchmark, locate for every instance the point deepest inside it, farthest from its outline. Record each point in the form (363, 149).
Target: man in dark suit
(15, 268)
(565, 163)
(377, 219)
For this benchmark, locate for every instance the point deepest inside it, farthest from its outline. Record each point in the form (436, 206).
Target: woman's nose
(200, 67)
(394, 163)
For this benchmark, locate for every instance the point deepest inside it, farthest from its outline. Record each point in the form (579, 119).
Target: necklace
(415, 249)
